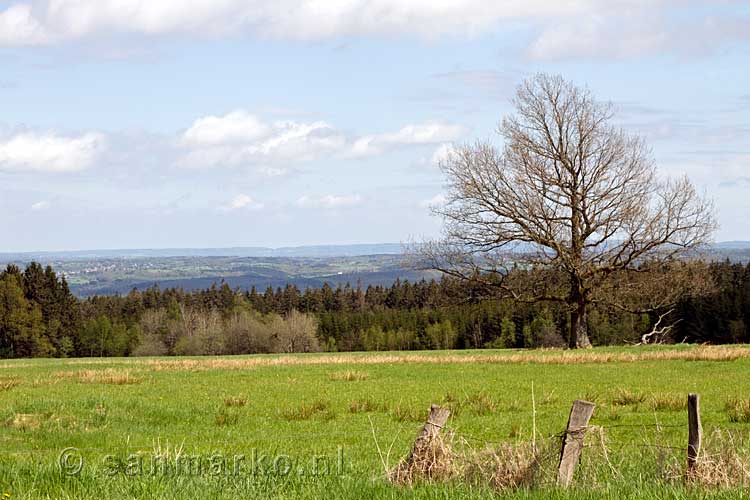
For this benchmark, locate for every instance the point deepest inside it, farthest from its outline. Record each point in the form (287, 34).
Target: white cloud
(242, 201)
(50, 21)
(18, 26)
(560, 29)
(435, 201)
(329, 201)
(426, 133)
(40, 206)
(241, 139)
(236, 127)
(49, 152)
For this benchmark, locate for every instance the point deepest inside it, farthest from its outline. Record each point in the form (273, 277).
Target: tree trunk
(579, 335)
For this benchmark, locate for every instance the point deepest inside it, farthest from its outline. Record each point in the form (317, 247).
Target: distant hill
(312, 251)
(301, 251)
(106, 272)
(733, 245)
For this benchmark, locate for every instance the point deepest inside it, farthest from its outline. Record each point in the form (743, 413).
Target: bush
(295, 332)
(199, 333)
(150, 345)
(247, 333)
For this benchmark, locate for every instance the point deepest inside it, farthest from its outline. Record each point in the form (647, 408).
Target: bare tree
(295, 332)
(569, 196)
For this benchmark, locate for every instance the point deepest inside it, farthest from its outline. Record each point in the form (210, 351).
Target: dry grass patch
(226, 417)
(430, 460)
(306, 411)
(349, 376)
(725, 469)
(366, 406)
(481, 403)
(402, 413)
(7, 384)
(444, 457)
(25, 421)
(189, 365)
(625, 397)
(107, 376)
(738, 410)
(668, 402)
(720, 465)
(235, 402)
(507, 466)
(552, 357)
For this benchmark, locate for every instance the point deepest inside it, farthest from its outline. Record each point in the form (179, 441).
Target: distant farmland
(99, 275)
(106, 272)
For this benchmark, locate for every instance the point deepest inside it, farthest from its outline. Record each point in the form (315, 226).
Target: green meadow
(332, 425)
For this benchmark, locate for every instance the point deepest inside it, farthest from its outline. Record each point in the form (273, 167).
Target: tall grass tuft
(235, 402)
(306, 411)
(349, 376)
(625, 397)
(366, 406)
(738, 410)
(668, 402)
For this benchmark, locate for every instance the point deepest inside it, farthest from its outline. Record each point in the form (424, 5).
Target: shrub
(150, 345)
(296, 332)
(247, 333)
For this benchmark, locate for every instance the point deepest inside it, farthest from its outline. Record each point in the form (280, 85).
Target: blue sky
(245, 123)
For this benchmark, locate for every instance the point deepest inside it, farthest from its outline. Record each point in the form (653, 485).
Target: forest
(40, 317)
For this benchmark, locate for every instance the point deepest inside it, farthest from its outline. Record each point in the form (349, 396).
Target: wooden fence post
(572, 444)
(420, 455)
(695, 433)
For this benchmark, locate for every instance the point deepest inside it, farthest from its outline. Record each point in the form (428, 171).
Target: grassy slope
(85, 404)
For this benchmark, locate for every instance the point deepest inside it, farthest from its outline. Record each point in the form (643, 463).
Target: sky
(216, 123)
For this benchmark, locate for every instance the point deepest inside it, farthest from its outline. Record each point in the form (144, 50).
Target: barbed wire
(355, 433)
(656, 425)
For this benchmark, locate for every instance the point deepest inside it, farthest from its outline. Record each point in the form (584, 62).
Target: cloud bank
(561, 29)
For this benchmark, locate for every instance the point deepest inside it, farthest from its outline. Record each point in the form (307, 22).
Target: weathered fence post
(572, 444)
(420, 455)
(433, 425)
(695, 433)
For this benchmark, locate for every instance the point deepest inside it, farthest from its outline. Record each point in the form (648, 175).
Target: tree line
(40, 317)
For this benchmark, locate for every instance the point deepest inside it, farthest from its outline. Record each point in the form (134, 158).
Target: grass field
(321, 426)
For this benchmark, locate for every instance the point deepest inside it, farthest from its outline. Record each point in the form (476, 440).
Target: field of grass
(322, 426)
